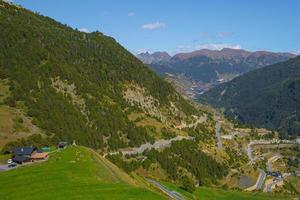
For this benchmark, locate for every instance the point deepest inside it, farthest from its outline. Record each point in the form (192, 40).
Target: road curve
(259, 182)
(170, 193)
(159, 144)
(269, 187)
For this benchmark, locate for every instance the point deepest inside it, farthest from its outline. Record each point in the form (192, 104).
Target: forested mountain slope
(80, 86)
(268, 97)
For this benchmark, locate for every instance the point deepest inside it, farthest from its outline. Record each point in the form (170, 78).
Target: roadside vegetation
(205, 193)
(183, 162)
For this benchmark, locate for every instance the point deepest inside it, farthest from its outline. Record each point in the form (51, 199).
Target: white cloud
(220, 46)
(152, 26)
(85, 30)
(130, 14)
(143, 51)
(211, 46)
(224, 34)
(295, 52)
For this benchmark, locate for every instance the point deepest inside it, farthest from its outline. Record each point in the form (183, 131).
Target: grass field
(74, 173)
(204, 193)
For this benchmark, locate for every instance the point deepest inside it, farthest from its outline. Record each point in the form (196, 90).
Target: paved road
(218, 135)
(271, 160)
(172, 194)
(5, 168)
(218, 131)
(275, 143)
(259, 182)
(249, 153)
(269, 187)
(261, 179)
(159, 144)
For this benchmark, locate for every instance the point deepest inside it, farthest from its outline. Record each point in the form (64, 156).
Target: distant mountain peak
(156, 57)
(229, 53)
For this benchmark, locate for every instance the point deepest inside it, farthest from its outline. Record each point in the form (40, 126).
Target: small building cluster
(274, 174)
(28, 154)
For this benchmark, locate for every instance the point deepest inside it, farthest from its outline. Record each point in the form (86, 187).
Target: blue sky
(182, 25)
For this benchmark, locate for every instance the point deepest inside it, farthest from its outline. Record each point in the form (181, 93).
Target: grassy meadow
(73, 173)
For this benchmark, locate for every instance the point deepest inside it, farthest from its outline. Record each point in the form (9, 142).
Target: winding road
(270, 186)
(171, 194)
(218, 135)
(218, 131)
(159, 144)
(267, 144)
(259, 182)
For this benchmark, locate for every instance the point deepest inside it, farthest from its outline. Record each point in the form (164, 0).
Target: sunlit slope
(74, 173)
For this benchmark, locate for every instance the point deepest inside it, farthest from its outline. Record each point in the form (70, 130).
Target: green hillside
(69, 85)
(73, 173)
(267, 97)
(79, 86)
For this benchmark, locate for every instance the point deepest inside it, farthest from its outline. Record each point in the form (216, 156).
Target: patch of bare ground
(69, 90)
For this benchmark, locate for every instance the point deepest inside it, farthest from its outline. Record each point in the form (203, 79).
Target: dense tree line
(180, 155)
(188, 155)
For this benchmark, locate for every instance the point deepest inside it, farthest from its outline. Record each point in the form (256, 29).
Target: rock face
(156, 57)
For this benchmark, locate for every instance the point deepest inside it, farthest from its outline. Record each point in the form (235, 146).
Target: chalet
(22, 154)
(39, 156)
(27, 154)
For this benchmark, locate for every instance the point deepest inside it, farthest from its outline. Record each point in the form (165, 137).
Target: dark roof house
(23, 151)
(21, 159)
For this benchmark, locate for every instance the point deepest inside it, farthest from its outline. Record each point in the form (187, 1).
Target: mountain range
(267, 97)
(207, 68)
(155, 57)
